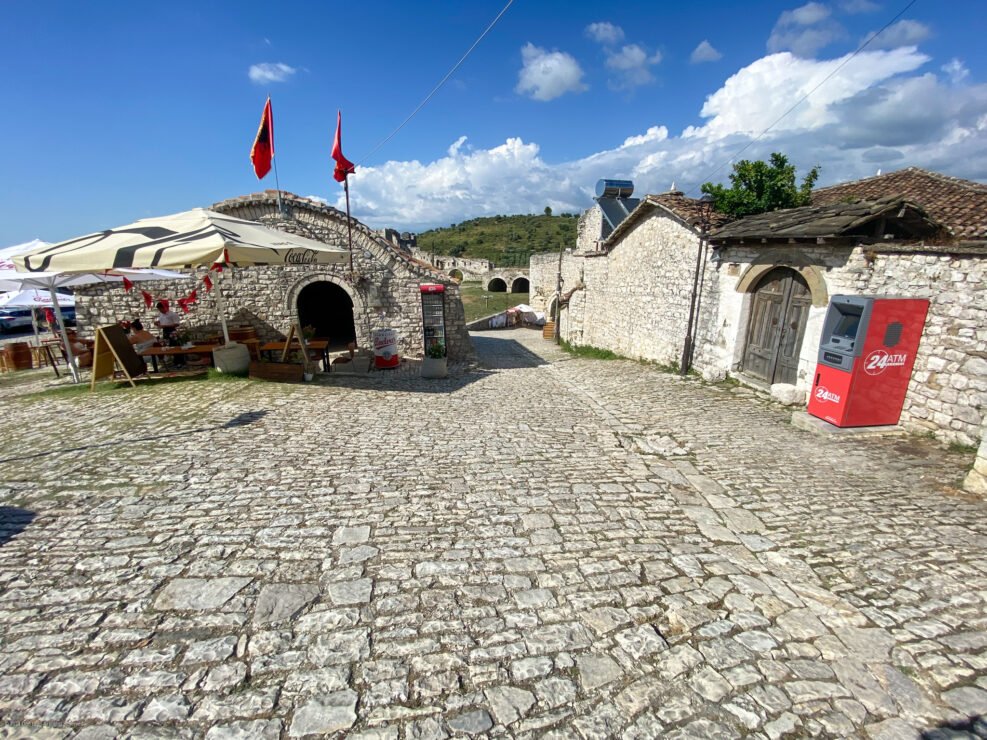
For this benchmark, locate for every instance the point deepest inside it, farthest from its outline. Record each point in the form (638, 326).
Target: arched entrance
(779, 310)
(497, 285)
(520, 285)
(329, 309)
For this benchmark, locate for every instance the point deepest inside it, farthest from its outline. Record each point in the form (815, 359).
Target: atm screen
(847, 326)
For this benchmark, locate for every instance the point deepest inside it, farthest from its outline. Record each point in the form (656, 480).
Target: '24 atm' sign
(878, 361)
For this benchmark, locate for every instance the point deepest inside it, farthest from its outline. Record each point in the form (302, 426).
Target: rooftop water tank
(614, 188)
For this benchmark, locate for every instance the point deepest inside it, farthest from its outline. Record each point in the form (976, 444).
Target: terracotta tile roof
(904, 220)
(688, 209)
(959, 205)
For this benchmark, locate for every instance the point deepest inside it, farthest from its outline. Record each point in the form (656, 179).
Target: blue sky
(118, 111)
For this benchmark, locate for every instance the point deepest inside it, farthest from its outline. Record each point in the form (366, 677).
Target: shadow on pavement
(493, 354)
(13, 521)
(240, 420)
(974, 726)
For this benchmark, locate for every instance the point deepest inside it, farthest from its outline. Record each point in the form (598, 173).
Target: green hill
(507, 241)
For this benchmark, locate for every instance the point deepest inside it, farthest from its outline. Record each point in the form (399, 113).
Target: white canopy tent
(196, 238)
(33, 298)
(7, 253)
(51, 281)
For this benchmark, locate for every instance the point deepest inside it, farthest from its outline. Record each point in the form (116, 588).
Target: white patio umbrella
(7, 253)
(196, 238)
(33, 299)
(51, 281)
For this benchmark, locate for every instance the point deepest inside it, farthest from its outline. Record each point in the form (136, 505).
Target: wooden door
(779, 311)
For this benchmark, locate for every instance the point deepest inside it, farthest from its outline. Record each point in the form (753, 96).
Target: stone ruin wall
(385, 289)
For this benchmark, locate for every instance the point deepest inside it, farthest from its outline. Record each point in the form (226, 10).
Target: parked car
(15, 319)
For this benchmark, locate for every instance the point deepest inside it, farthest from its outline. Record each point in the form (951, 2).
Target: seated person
(140, 337)
(83, 355)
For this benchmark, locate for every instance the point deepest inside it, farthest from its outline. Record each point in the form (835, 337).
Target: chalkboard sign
(112, 346)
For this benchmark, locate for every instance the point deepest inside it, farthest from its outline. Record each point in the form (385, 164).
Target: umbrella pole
(65, 337)
(221, 307)
(34, 325)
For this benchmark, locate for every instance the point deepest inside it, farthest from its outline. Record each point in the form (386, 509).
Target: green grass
(593, 353)
(476, 307)
(962, 449)
(507, 241)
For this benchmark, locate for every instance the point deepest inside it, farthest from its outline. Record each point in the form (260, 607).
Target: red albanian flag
(262, 151)
(344, 166)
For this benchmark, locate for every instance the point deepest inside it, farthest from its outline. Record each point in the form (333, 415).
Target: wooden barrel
(242, 333)
(19, 355)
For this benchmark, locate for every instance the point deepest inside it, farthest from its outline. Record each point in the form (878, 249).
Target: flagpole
(277, 183)
(349, 221)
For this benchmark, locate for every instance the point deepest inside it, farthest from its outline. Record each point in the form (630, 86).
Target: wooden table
(316, 345)
(196, 349)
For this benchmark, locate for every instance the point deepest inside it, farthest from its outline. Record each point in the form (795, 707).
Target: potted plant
(434, 362)
(184, 339)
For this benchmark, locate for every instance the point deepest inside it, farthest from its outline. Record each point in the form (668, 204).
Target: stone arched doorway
(779, 309)
(520, 285)
(329, 309)
(497, 285)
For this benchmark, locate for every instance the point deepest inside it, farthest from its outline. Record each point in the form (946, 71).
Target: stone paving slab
(541, 546)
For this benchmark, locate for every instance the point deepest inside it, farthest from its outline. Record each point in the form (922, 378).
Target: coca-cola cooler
(866, 356)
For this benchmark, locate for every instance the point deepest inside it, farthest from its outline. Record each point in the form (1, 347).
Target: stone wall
(634, 300)
(384, 285)
(472, 269)
(589, 230)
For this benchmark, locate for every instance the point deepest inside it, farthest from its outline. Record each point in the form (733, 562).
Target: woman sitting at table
(140, 337)
(81, 352)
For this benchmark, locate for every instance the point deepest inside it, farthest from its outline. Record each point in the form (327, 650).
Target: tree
(548, 210)
(757, 187)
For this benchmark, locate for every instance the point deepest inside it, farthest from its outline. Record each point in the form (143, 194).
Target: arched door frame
(754, 281)
(360, 316)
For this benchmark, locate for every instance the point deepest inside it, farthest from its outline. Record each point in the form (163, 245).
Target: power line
(443, 81)
(801, 100)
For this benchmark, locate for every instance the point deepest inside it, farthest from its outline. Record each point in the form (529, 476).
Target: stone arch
(456, 275)
(520, 285)
(553, 307)
(359, 307)
(497, 285)
(810, 273)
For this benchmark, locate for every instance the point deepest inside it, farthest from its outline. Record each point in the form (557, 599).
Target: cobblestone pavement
(545, 546)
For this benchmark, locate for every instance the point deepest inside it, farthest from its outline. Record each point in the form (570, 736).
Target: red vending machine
(434, 319)
(866, 356)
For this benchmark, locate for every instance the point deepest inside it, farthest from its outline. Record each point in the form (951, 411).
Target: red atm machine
(866, 355)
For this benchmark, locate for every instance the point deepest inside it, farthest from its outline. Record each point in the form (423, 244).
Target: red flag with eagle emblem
(262, 151)
(344, 166)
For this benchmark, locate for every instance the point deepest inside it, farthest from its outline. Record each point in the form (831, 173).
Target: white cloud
(546, 75)
(705, 52)
(267, 72)
(902, 33)
(878, 112)
(805, 30)
(630, 66)
(605, 33)
(956, 71)
(753, 98)
(855, 7)
(655, 133)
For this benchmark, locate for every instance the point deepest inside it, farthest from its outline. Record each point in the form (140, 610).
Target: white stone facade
(384, 285)
(634, 300)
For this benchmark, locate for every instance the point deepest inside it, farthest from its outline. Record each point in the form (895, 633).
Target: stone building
(460, 268)
(768, 279)
(381, 292)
